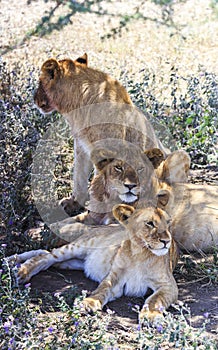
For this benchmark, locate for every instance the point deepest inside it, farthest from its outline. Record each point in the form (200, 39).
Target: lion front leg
(82, 169)
(109, 289)
(159, 301)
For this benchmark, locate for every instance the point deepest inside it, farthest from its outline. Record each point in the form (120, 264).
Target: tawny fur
(97, 107)
(124, 262)
(194, 212)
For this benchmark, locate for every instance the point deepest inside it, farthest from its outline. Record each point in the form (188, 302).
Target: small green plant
(187, 117)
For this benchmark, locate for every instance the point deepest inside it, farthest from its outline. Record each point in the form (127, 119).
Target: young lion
(97, 107)
(125, 262)
(194, 212)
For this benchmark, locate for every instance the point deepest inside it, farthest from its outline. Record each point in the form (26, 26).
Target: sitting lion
(124, 262)
(97, 107)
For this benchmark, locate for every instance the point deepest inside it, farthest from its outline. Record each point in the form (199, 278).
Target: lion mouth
(128, 197)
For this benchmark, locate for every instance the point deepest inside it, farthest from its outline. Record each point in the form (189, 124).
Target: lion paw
(71, 206)
(23, 275)
(90, 305)
(153, 317)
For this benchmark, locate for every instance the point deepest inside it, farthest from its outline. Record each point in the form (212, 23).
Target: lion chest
(134, 276)
(138, 277)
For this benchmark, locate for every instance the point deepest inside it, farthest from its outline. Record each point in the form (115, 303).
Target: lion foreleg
(109, 289)
(82, 169)
(160, 300)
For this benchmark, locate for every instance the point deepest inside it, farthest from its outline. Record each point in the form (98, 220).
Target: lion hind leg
(20, 258)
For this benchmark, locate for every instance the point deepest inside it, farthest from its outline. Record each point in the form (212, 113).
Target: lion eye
(118, 168)
(150, 224)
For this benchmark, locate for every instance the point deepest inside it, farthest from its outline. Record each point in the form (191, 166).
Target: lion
(97, 107)
(194, 212)
(193, 208)
(128, 262)
(118, 180)
(128, 179)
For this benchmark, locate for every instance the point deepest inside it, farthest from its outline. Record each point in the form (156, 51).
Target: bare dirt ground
(145, 44)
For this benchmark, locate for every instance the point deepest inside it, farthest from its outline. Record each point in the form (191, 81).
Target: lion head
(123, 176)
(148, 227)
(56, 83)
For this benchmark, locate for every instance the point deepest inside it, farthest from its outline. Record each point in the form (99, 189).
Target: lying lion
(193, 208)
(97, 107)
(124, 262)
(120, 181)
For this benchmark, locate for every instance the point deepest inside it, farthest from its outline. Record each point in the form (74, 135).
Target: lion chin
(128, 197)
(160, 252)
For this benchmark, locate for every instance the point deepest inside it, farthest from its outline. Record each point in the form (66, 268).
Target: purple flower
(4, 245)
(50, 329)
(76, 323)
(7, 326)
(10, 222)
(11, 340)
(27, 285)
(206, 314)
(138, 327)
(159, 328)
(161, 308)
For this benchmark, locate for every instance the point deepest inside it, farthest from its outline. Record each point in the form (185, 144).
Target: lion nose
(165, 242)
(130, 186)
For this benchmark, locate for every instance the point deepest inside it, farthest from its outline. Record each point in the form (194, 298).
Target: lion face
(148, 227)
(122, 176)
(123, 180)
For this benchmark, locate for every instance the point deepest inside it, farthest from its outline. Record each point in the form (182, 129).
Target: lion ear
(83, 60)
(101, 157)
(176, 167)
(163, 198)
(122, 212)
(50, 68)
(155, 155)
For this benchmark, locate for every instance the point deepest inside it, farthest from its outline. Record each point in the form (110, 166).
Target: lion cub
(124, 261)
(97, 107)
